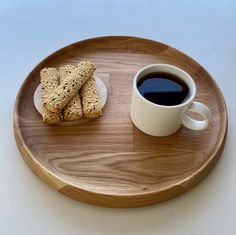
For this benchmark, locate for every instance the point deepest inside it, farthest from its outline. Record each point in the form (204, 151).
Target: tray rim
(59, 183)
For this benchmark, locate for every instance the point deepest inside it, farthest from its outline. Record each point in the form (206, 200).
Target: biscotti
(90, 99)
(73, 110)
(59, 98)
(49, 82)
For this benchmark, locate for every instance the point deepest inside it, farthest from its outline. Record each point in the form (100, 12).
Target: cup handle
(193, 124)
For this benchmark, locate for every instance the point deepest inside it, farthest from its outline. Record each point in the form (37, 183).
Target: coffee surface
(163, 88)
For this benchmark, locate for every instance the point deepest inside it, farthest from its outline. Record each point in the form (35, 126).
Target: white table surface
(30, 30)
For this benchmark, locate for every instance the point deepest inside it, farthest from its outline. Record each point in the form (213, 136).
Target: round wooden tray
(108, 161)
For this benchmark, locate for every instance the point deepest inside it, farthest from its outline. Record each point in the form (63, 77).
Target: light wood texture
(38, 103)
(108, 161)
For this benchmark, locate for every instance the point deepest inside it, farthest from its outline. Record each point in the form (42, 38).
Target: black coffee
(163, 88)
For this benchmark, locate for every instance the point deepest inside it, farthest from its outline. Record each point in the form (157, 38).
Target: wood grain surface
(108, 162)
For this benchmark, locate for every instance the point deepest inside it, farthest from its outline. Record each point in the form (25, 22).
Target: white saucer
(38, 103)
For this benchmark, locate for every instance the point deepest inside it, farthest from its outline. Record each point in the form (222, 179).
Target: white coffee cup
(161, 120)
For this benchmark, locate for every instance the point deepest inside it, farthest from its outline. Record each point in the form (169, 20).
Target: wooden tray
(108, 161)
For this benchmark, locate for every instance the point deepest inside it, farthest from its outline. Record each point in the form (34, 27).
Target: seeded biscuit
(90, 99)
(60, 97)
(49, 82)
(73, 110)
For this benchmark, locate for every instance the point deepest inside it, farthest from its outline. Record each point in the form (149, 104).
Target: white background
(30, 30)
